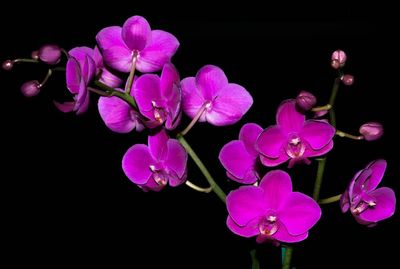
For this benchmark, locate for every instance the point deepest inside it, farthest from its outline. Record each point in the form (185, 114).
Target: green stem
(354, 137)
(46, 78)
(288, 257)
(22, 60)
(321, 108)
(255, 264)
(112, 92)
(59, 68)
(197, 188)
(322, 161)
(195, 119)
(332, 99)
(131, 74)
(318, 179)
(329, 200)
(218, 191)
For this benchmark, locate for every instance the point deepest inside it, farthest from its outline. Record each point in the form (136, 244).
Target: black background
(65, 199)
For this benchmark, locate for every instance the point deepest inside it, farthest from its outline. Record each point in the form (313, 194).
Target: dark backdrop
(65, 200)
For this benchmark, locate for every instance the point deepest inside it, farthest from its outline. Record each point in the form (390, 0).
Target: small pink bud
(30, 88)
(50, 54)
(7, 65)
(305, 100)
(371, 130)
(320, 113)
(347, 80)
(338, 58)
(35, 55)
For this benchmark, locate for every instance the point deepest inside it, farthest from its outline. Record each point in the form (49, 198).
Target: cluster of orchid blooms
(266, 206)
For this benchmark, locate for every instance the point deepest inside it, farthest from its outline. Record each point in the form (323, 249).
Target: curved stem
(22, 60)
(329, 200)
(131, 74)
(195, 119)
(288, 257)
(354, 137)
(321, 108)
(46, 78)
(113, 92)
(218, 191)
(197, 188)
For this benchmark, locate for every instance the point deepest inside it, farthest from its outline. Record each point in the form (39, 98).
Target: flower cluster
(140, 89)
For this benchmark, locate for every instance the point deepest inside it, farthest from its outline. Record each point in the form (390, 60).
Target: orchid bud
(50, 54)
(320, 113)
(347, 80)
(371, 130)
(7, 65)
(35, 55)
(338, 59)
(305, 100)
(30, 88)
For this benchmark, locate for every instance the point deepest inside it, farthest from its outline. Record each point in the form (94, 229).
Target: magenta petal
(231, 103)
(169, 89)
(82, 99)
(385, 200)
(237, 160)
(136, 164)
(277, 186)
(251, 229)
(271, 142)
(192, 101)
(317, 133)
(65, 107)
(97, 57)
(117, 114)
(152, 185)
(110, 37)
(283, 235)
(119, 58)
(245, 204)
(249, 134)
(136, 33)
(288, 117)
(309, 152)
(73, 75)
(299, 213)
(378, 168)
(80, 54)
(88, 69)
(147, 94)
(271, 162)
(211, 79)
(357, 184)
(158, 145)
(345, 202)
(169, 77)
(177, 158)
(109, 78)
(158, 52)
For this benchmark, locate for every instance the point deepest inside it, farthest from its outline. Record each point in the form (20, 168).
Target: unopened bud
(371, 130)
(338, 58)
(7, 65)
(347, 80)
(30, 88)
(320, 113)
(35, 55)
(305, 100)
(50, 54)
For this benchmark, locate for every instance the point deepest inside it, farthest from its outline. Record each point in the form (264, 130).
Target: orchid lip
(295, 147)
(268, 225)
